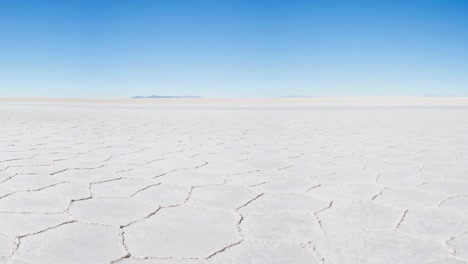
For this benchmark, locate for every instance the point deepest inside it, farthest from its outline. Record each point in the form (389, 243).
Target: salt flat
(309, 180)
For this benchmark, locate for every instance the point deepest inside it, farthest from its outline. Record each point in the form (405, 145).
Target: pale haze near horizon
(233, 48)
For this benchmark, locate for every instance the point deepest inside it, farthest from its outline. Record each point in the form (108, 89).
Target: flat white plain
(309, 180)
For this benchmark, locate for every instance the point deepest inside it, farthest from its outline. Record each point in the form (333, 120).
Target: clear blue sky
(238, 48)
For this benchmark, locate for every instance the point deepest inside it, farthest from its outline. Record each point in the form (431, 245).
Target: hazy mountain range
(164, 96)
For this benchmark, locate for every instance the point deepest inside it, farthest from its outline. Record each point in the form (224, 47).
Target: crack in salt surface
(401, 219)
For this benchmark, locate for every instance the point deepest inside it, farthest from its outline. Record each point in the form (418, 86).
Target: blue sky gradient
(238, 48)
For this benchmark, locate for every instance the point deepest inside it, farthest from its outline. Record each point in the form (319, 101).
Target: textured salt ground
(93, 184)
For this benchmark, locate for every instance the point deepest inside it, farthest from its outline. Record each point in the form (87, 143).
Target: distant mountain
(432, 95)
(164, 96)
(296, 96)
